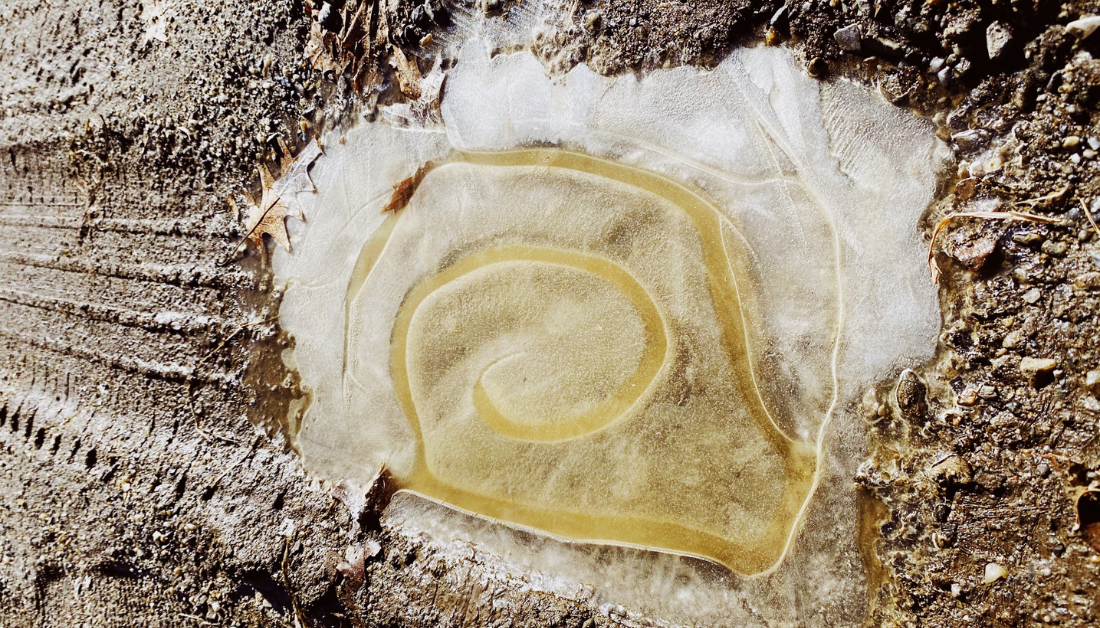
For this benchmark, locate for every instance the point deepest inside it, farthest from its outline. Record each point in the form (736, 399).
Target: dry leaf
(278, 199)
(355, 28)
(408, 75)
(403, 190)
(295, 175)
(424, 109)
(319, 50)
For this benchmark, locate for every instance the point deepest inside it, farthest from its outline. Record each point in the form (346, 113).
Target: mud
(138, 353)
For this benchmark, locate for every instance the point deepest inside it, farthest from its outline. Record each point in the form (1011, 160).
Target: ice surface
(649, 336)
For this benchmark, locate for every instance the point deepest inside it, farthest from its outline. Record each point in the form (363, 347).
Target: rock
(1013, 339)
(967, 397)
(962, 67)
(897, 87)
(817, 68)
(1054, 249)
(1031, 297)
(998, 37)
(1071, 142)
(884, 46)
(492, 6)
(592, 22)
(993, 572)
(1088, 281)
(950, 470)
(1031, 367)
(420, 17)
(780, 18)
(911, 395)
(970, 141)
(946, 77)
(960, 25)
(1092, 381)
(974, 253)
(1084, 26)
(848, 38)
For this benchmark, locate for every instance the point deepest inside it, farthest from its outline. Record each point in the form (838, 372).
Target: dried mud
(143, 476)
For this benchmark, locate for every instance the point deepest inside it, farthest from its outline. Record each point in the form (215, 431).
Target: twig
(286, 580)
(934, 268)
(1088, 214)
(191, 392)
(198, 619)
(1049, 197)
(191, 381)
(249, 454)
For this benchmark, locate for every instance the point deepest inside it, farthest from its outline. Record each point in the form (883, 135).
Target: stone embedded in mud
(1032, 366)
(911, 396)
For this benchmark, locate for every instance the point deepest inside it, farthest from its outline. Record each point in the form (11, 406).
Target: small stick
(286, 580)
(934, 268)
(1088, 214)
(191, 381)
(1049, 197)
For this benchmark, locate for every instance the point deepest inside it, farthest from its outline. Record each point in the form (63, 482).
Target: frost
(633, 313)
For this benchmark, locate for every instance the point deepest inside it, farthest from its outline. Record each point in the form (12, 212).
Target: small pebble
(848, 38)
(1092, 381)
(1031, 366)
(993, 572)
(817, 67)
(1032, 296)
(998, 37)
(1027, 237)
(1013, 339)
(1071, 142)
(1055, 249)
(1088, 281)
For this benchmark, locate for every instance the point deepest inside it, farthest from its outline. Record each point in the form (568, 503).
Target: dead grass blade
(934, 268)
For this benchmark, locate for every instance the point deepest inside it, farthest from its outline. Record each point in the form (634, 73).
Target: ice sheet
(816, 190)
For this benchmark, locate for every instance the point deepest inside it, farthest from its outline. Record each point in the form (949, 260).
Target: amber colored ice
(569, 349)
(638, 312)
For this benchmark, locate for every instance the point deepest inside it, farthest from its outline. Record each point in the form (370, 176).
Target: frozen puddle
(621, 313)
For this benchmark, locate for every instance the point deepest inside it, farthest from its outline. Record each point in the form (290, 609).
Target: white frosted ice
(512, 279)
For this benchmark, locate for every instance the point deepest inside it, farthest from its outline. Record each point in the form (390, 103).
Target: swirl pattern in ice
(574, 359)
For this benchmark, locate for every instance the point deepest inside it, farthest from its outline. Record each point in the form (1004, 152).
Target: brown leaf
(318, 50)
(295, 176)
(355, 28)
(278, 199)
(425, 109)
(404, 189)
(408, 74)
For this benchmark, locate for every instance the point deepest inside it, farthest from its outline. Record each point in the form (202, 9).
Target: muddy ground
(144, 478)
